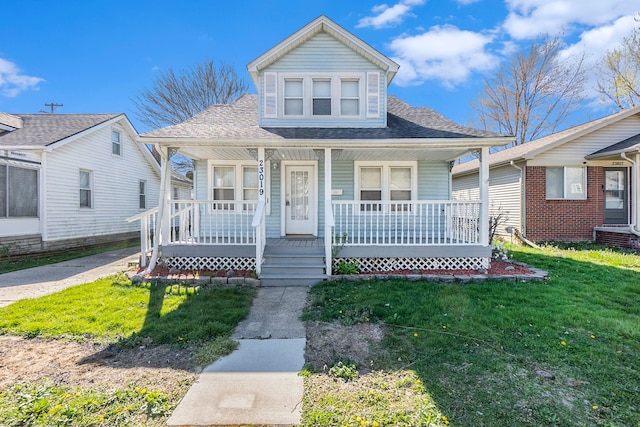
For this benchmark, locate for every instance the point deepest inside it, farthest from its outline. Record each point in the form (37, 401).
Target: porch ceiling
(378, 154)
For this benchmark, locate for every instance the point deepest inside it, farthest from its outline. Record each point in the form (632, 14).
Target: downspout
(634, 185)
(164, 172)
(523, 198)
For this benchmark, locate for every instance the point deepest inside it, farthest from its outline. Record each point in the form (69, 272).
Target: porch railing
(213, 222)
(148, 221)
(441, 222)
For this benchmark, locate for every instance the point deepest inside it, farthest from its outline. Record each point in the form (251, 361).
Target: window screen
(18, 192)
(322, 97)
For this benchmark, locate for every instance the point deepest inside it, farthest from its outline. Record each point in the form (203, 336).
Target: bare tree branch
(177, 96)
(533, 93)
(619, 72)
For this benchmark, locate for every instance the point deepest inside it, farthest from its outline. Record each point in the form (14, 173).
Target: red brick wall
(621, 240)
(562, 220)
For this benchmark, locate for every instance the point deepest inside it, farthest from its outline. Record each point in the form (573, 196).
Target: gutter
(523, 198)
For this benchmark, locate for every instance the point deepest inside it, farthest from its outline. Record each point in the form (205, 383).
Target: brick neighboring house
(574, 185)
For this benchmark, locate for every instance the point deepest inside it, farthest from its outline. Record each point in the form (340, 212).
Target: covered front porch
(343, 218)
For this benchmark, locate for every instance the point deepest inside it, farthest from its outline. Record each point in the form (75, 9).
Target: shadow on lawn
(167, 339)
(580, 326)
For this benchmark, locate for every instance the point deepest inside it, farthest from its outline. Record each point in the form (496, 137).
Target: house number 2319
(261, 177)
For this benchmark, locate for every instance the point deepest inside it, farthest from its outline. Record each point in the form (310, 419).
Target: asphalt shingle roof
(519, 152)
(622, 145)
(46, 129)
(239, 120)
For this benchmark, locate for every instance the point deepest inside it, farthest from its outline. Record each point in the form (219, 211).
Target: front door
(299, 200)
(615, 196)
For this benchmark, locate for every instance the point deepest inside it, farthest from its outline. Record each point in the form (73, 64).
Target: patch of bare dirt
(91, 365)
(330, 342)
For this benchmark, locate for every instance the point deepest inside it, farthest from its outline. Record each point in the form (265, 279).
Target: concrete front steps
(292, 266)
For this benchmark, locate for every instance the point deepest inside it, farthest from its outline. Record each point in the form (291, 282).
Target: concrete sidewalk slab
(47, 279)
(275, 313)
(258, 384)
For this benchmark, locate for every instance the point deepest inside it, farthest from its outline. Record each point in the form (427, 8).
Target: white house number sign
(261, 177)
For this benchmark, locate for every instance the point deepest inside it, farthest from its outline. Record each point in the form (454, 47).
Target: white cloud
(12, 81)
(530, 18)
(595, 43)
(388, 16)
(443, 53)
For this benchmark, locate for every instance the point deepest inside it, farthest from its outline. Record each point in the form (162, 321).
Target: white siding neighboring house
(70, 180)
(577, 184)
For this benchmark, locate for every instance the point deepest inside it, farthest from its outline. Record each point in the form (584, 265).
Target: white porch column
(262, 196)
(165, 197)
(162, 225)
(328, 209)
(484, 196)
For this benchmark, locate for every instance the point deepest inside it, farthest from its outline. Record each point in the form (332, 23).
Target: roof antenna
(53, 106)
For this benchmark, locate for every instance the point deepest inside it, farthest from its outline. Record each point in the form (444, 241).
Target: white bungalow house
(321, 166)
(71, 180)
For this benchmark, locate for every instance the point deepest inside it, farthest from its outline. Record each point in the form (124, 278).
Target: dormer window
(349, 97)
(293, 99)
(321, 95)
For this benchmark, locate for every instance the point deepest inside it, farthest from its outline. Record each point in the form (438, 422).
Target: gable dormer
(322, 76)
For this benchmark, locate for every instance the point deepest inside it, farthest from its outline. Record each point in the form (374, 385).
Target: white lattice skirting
(210, 263)
(369, 265)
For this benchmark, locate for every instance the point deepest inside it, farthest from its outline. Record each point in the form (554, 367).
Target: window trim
(386, 179)
(89, 189)
(7, 167)
(238, 178)
(564, 180)
(142, 195)
(116, 143)
(308, 97)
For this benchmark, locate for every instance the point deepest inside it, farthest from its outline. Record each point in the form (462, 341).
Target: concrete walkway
(47, 279)
(258, 384)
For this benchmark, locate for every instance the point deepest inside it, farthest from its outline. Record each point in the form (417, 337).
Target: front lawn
(117, 318)
(560, 352)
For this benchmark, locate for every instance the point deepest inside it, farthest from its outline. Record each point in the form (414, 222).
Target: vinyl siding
(324, 54)
(505, 194)
(573, 153)
(115, 186)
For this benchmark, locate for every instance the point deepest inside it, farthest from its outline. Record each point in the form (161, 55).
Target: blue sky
(93, 56)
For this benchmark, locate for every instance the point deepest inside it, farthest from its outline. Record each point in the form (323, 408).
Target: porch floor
(296, 242)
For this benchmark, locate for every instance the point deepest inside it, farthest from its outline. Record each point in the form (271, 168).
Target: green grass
(477, 347)
(8, 265)
(113, 310)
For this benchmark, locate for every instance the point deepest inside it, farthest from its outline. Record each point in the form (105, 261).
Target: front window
(18, 192)
(393, 182)
(224, 185)
(116, 146)
(568, 183)
(321, 97)
(86, 189)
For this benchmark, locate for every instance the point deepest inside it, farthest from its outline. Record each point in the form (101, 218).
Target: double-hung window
(86, 189)
(116, 145)
(18, 192)
(142, 190)
(565, 182)
(232, 183)
(349, 97)
(293, 97)
(393, 183)
(321, 97)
